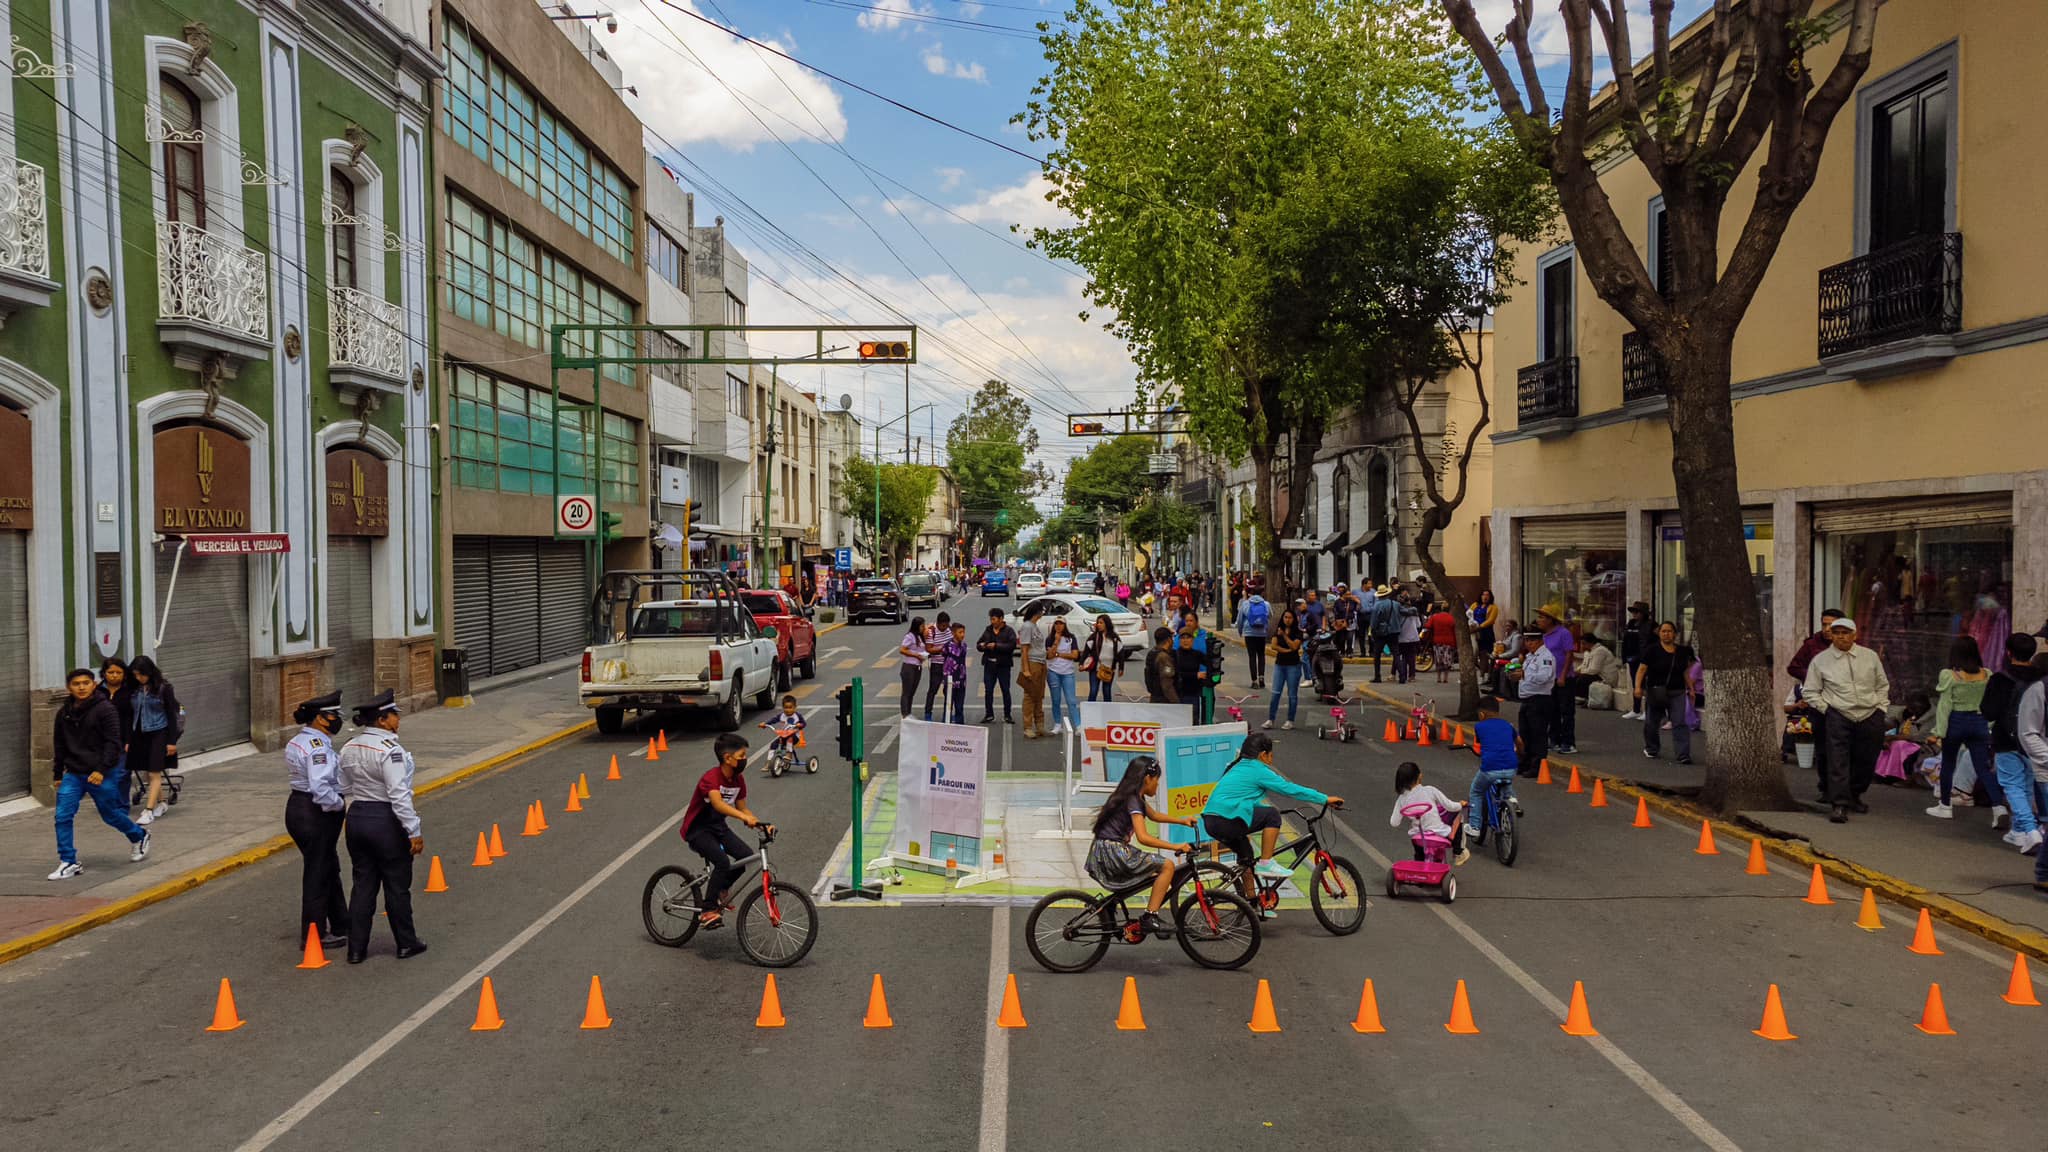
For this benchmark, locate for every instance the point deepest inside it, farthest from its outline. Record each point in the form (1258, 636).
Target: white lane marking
(888, 738)
(325, 1091)
(1670, 1101)
(995, 1047)
(1007, 745)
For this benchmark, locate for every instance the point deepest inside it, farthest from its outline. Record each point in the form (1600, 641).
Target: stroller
(1326, 665)
(1431, 867)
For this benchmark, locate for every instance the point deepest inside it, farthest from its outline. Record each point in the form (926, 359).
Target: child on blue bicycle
(1499, 749)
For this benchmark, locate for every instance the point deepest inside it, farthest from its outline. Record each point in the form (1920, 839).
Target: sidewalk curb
(1971, 919)
(106, 914)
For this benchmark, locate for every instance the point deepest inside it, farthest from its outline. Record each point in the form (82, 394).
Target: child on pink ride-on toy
(1438, 843)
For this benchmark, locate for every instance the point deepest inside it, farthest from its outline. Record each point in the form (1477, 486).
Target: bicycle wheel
(779, 930)
(1067, 931)
(1505, 842)
(1225, 934)
(1337, 893)
(668, 906)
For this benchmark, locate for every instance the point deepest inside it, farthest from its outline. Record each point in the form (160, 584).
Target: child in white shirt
(1410, 791)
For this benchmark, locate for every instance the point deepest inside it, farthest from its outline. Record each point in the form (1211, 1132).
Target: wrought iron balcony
(1910, 289)
(365, 341)
(1642, 370)
(24, 219)
(212, 297)
(1548, 390)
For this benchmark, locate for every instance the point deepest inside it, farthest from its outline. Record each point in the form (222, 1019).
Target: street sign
(1162, 464)
(575, 516)
(1002, 517)
(842, 559)
(1299, 544)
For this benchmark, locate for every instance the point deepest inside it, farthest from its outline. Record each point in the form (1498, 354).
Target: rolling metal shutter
(351, 626)
(1919, 512)
(14, 686)
(562, 607)
(1575, 532)
(515, 604)
(204, 652)
(473, 602)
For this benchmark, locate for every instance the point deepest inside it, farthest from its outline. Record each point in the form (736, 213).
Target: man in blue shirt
(1499, 751)
(1383, 626)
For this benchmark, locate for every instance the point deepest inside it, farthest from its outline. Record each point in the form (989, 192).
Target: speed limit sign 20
(575, 516)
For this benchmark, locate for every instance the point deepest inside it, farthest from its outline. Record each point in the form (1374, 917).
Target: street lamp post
(878, 475)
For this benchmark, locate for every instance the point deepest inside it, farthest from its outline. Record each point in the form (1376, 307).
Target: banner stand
(1065, 811)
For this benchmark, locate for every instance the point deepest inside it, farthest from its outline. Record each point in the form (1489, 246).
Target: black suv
(920, 589)
(876, 598)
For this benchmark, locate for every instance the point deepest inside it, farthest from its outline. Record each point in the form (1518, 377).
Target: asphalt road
(106, 1050)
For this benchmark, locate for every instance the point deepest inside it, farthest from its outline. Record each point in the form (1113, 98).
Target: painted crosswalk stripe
(849, 662)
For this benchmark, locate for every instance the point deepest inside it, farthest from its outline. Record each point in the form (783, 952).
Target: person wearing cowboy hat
(1564, 721)
(383, 829)
(1848, 685)
(1384, 626)
(313, 817)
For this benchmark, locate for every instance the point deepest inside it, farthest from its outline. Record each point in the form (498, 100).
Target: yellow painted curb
(108, 913)
(1969, 918)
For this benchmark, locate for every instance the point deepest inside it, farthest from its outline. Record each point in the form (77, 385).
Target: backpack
(1258, 614)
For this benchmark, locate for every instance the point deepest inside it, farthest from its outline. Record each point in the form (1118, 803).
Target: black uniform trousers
(995, 676)
(380, 853)
(1536, 715)
(317, 832)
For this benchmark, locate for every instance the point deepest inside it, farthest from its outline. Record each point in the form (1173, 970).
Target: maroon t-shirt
(732, 791)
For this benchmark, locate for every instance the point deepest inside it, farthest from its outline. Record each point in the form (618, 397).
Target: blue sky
(926, 224)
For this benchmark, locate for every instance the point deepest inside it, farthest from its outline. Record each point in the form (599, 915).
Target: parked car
(1060, 579)
(796, 638)
(995, 582)
(920, 590)
(1085, 581)
(874, 596)
(1081, 609)
(1030, 583)
(670, 641)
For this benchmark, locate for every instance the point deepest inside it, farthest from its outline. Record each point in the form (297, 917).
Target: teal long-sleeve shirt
(1244, 786)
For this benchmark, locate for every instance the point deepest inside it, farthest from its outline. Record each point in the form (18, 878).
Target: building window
(499, 277)
(621, 458)
(1554, 288)
(496, 117)
(736, 397)
(342, 237)
(510, 438)
(1909, 165)
(735, 309)
(664, 345)
(666, 259)
(184, 154)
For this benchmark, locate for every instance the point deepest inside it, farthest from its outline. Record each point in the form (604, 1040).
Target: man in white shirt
(1534, 682)
(1848, 685)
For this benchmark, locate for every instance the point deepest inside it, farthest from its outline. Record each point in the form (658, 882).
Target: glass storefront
(1672, 598)
(1913, 589)
(1590, 583)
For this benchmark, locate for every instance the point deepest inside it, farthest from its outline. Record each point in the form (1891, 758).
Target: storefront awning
(1336, 542)
(1366, 542)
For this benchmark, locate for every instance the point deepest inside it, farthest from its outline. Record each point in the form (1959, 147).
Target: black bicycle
(777, 923)
(1498, 820)
(1070, 930)
(1336, 892)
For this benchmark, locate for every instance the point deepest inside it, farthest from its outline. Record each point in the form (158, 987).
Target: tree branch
(1649, 148)
(1728, 110)
(1709, 75)
(1532, 119)
(1769, 51)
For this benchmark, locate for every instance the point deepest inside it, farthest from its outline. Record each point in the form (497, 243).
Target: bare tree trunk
(1468, 669)
(1743, 732)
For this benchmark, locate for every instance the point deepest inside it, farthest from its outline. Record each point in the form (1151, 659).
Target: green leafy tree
(1173, 128)
(989, 448)
(906, 494)
(1110, 476)
(1161, 521)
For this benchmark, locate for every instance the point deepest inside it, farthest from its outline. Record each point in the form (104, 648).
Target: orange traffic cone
(540, 815)
(1263, 1019)
(594, 1015)
(1707, 846)
(483, 852)
(436, 882)
(1422, 736)
(1368, 1011)
(1457, 735)
(1543, 771)
(225, 1018)
(652, 755)
(771, 1006)
(1866, 917)
(582, 787)
(661, 739)
(1460, 1023)
(532, 820)
(1409, 733)
(487, 1018)
(1817, 889)
(1642, 819)
(575, 804)
(878, 1007)
(1578, 1021)
(1599, 793)
(1923, 937)
(614, 773)
(2021, 991)
(1128, 1016)
(1443, 732)
(1934, 1017)
(1574, 787)
(315, 957)
(1773, 1027)
(1393, 734)
(1012, 1014)
(1756, 866)
(497, 843)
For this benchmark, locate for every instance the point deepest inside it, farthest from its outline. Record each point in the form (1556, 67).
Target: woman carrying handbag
(1099, 660)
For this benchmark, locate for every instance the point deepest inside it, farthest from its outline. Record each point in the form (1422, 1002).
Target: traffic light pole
(853, 726)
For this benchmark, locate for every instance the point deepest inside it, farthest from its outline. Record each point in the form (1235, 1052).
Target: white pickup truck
(672, 640)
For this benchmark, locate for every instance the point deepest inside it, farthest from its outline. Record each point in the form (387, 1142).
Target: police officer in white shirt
(383, 829)
(1536, 677)
(312, 817)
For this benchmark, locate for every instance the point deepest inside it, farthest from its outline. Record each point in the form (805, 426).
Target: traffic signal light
(1084, 428)
(608, 525)
(845, 696)
(884, 350)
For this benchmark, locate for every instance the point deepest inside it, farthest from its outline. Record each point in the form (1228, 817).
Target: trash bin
(454, 674)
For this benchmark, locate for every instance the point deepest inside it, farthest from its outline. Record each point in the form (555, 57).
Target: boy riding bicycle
(717, 795)
(1499, 749)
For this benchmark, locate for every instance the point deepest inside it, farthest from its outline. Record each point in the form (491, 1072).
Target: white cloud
(1021, 204)
(684, 100)
(935, 59)
(886, 15)
(949, 178)
(935, 62)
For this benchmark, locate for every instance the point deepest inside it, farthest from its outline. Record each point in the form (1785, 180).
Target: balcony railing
(1548, 390)
(1642, 370)
(1912, 288)
(206, 279)
(24, 219)
(364, 331)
